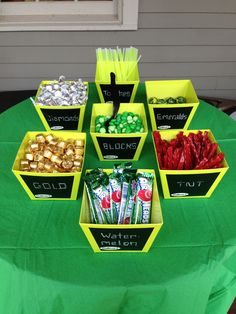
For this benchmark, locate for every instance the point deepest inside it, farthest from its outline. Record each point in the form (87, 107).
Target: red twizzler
(187, 152)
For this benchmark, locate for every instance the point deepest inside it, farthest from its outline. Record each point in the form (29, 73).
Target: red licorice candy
(187, 152)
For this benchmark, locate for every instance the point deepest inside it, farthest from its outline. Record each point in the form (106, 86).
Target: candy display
(126, 122)
(121, 197)
(169, 100)
(62, 93)
(50, 154)
(186, 152)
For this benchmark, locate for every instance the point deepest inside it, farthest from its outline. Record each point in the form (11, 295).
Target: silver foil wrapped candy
(63, 93)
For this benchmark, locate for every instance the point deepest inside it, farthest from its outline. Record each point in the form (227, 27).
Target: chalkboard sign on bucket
(61, 117)
(193, 183)
(172, 103)
(52, 185)
(118, 146)
(122, 237)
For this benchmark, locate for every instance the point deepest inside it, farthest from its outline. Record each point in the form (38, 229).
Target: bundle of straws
(122, 62)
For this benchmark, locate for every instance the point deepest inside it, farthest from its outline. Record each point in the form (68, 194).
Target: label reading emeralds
(171, 118)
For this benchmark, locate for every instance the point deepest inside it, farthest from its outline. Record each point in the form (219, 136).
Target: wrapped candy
(49, 154)
(63, 93)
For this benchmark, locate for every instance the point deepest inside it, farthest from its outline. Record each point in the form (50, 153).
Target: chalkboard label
(49, 187)
(171, 118)
(121, 239)
(190, 184)
(124, 92)
(118, 147)
(62, 119)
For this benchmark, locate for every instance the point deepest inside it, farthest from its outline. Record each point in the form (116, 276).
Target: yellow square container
(118, 146)
(126, 88)
(48, 186)
(60, 117)
(122, 238)
(171, 116)
(189, 183)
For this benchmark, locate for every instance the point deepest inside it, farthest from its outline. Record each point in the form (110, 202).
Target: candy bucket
(122, 237)
(41, 185)
(118, 146)
(172, 115)
(194, 183)
(62, 117)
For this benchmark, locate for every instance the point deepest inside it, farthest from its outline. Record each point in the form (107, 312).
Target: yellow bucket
(122, 238)
(171, 116)
(118, 146)
(189, 183)
(48, 186)
(58, 118)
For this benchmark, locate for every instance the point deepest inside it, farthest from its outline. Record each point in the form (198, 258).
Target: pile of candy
(194, 151)
(50, 154)
(122, 197)
(63, 93)
(126, 122)
(169, 100)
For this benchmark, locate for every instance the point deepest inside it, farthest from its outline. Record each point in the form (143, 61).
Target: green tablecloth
(48, 267)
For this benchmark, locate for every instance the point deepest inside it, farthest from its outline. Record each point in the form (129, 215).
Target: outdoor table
(48, 267)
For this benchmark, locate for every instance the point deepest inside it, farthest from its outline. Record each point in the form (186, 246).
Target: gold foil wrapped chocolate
(48, 154)
(40, 138)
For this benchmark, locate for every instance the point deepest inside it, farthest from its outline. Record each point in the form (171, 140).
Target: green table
(48, 267)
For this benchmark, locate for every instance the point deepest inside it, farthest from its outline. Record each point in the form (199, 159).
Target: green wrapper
(115, 195)
(143, 204)
(127, 219)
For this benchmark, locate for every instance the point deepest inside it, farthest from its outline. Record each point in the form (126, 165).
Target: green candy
(152, 100)
(101, 119)
(102, 130)
(161, 101)
(111, 129)
(181, 100)
(170, 100)
(127, 122)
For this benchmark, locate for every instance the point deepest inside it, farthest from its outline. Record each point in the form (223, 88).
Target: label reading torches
(190, 184)
(123, 148)
(122, 239)
(124, 92)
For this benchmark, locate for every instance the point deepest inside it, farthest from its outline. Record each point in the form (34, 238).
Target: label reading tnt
(124, 92)
(66, 119)
(121, 239)
(118, 147)
(190, 184)
(49, 187)
(171, 118)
